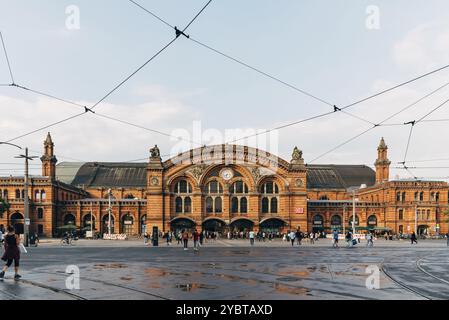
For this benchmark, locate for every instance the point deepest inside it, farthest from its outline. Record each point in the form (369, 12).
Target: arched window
(243, 205)
(428, 215)
(437, 197)
(398, 196)
(234, 205)
(416, 196)
(178, 205)
(403, 197)
(187, 205)
(17, 194)
(23, 194)
(274, 205)
(214, 201)
(336, 220)
(209, 205)
(37, 195)
(270, 191)
(5, 194)
(401, 214)
(218, 205)
(372, 221)
(265, 205)
(239, 200)
(40, 213)
(43, 195)
(421, 196)
(183, 201)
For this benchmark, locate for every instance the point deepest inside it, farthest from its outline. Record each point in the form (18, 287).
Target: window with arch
(336, 220)
(23, 194)
(37, 195)
(403, 197)
(5, 194)
(437, 197)
(421, 196)
(40, 213)
(183, 201)
(428, 215)
(401, 214)
(214, 197)
(416, 196)
(17, 194)
(270, 201)
(239, 200)
(43, 195)
(398, 196)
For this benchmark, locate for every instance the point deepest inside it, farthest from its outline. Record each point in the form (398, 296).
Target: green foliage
(4, 206)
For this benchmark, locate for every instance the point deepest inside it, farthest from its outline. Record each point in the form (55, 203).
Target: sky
(322, 47)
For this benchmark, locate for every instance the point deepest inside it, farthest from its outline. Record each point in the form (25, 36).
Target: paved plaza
(231, 269)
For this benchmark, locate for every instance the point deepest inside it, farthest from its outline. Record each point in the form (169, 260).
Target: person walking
(369, 239)
(145, 238)
(201, 238)
(292, 238)
(312, 238)
(12, 252)
(335, 239)
(196, 240)
(447, 239)
(251, 237)
(413, 238)
(185, 239)
(168, 238)
(348, 239)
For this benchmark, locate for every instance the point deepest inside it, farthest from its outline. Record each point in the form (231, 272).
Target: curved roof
(339, 176)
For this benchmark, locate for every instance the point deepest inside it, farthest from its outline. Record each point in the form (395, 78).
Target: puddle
(110, 266)
(126, 278)
(194, 286)
(290, 290)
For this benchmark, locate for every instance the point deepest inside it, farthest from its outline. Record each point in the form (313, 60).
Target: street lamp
(26, 200)
(110, 209)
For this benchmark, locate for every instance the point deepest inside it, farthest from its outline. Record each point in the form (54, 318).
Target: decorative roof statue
(155, 153)
(297, 162)
(297, 154)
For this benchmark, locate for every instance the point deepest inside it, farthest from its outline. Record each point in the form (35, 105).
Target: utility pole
(353, 211)
(416, 220)
(26, 199)
(344, 213)
(109, 209)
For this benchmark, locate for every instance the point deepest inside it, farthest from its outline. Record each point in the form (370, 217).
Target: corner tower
(48, 159)
(382, 163)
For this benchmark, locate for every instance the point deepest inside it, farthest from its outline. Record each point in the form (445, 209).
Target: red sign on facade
(299, 210)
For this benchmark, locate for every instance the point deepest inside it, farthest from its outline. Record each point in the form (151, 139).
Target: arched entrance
(336, 222)
(215, 225)
(318, 223)
(423, 230)
(241, 225)
(127, 224)
(17, 222)
(69, 219)
(371, 222)
(105, 224)
(179, 224)
(272, 225)
(89, 222)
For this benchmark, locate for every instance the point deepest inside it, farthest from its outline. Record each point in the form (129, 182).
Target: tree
(4, 206)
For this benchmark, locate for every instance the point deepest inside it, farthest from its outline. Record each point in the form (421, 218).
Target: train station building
(223, 188)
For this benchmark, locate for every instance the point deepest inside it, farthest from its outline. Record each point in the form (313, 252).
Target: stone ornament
(154, 181)
(299, 183)
(297, 154)
(155, 153)
(198, 171)
(256, 173)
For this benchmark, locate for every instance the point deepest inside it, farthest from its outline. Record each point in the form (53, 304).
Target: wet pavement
(232, 270)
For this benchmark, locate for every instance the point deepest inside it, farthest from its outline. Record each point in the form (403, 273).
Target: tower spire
(382, 163)
(48, 159)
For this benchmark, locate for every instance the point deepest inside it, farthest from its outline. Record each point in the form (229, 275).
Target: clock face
(227, 174)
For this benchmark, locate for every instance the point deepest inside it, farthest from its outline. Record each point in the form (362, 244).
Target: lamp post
(110, 209)
(353, 211)
(26, 199)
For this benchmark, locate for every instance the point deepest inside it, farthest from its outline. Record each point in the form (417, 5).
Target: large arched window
(372, 221)
(239, 200)
(214, 194)
(183, 201)
(336, 221)
(270, 201)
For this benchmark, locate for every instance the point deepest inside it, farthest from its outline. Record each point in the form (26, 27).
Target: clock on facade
(154, 181)
(227, 174)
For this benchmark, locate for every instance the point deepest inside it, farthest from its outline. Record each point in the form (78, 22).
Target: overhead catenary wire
(382, 123)
(86, 110)
(7, 58)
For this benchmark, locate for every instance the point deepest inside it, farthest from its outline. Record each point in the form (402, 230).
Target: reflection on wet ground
(225, 273)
